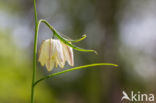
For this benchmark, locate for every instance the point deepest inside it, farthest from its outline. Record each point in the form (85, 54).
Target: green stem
(72, 69)
(34, 54)
(62, 39)
(35, 12)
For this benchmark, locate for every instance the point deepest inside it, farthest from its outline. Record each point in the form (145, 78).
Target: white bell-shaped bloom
(53, 53)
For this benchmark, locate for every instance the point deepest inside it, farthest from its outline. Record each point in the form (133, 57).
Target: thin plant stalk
(34, 54)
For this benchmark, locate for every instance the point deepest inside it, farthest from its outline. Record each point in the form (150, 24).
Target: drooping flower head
(53, 52)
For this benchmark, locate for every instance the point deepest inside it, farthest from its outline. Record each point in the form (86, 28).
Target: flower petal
(71, 57)
(43, 57)
(60, 60)
(50, 64)
(68, 54)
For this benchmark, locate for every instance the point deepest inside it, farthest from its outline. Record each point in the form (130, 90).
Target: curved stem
(72, 69)
(34, 53)
(62, 39)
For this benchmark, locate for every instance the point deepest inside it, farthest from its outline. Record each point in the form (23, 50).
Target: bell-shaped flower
(53, 53)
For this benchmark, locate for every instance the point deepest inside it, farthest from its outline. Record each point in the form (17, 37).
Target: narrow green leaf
(78, 40)
(72, 40)
(75, 68)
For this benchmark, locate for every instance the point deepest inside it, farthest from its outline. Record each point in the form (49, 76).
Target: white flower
(53, 53)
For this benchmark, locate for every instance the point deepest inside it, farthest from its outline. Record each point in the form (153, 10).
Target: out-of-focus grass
(15, 74)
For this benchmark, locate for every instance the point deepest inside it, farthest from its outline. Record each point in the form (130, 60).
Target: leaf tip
(96, 52)
(84, 36)
(116, 66)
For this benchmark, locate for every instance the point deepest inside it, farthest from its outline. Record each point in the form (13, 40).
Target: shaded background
(122, 32)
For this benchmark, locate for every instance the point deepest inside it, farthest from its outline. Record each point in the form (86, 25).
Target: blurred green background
(122, 32)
